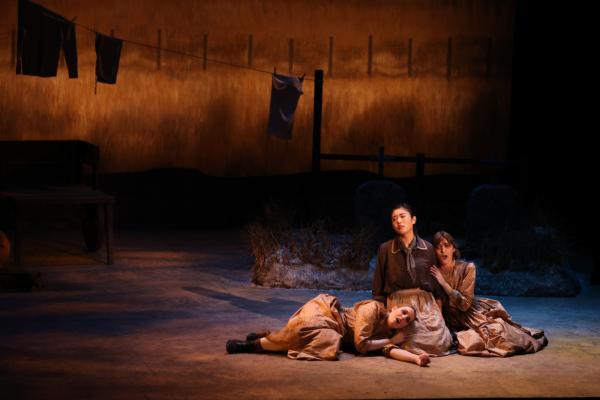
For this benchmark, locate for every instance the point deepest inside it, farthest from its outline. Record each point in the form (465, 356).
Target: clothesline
(214, 61)
(198, 57)
(181, 53)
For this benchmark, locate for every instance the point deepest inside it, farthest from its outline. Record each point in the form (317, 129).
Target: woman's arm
(376, 344)
(439, 293)
(437, 274)
(462, 297)
(403, 355)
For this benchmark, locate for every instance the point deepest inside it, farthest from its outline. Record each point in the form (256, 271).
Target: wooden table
(67, 195)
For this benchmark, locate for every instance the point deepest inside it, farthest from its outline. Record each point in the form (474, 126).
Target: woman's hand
(403, 355)
(422, 359)
(437, 274)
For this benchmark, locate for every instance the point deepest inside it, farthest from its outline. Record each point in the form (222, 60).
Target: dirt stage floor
(154, 326)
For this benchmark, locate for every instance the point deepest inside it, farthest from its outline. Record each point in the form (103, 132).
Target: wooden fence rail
(420, 160)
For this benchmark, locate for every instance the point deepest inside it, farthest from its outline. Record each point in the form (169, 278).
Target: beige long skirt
(492, 333)
(428, 333)
(314, 332)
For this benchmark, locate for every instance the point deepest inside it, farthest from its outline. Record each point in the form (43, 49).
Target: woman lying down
(322, 326)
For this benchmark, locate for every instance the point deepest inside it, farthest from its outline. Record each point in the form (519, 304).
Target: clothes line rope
(181, 53)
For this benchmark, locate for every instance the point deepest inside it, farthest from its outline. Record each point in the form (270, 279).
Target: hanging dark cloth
(41, 35)
(285, 92)
(108, 52)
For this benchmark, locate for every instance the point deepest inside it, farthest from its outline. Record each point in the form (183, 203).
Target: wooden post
(410, 58)
(420, 173)
(370, 61)
(291, 55)
(317, 111)
(159, 41)
(61, 58)
(449, 71)
(13, 48)
(205, 52)
(488, 66)
(250, 50)
(330, 63)
(381, 161)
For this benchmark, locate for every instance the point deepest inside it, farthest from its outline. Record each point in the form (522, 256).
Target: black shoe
(256, 335)
(240, 346)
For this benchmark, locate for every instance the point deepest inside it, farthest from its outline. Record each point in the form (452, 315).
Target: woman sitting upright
(402, 277)
(484, 327)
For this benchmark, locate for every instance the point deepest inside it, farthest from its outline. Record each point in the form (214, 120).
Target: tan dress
(484, 327)
(317, 330)
(428, 333)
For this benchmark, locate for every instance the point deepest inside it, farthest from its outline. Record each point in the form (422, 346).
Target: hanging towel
(285, 92)
(108, 52)
(41, 35)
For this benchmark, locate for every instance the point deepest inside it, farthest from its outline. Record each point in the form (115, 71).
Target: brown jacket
(391, 273)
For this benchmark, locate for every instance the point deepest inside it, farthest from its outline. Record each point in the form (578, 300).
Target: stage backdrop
(429, 77)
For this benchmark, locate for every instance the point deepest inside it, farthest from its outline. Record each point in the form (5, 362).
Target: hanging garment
(285, 92)
(108, 52)
(41, 35)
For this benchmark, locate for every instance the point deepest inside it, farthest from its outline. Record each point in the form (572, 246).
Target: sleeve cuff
(387, 349)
